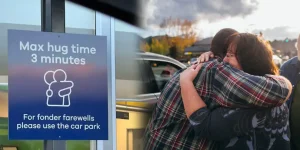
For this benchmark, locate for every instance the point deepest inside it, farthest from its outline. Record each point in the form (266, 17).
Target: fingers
(199, 59)
(198, 67)
(202, 58)
(205, 57)
(193, 66)
(210, 55)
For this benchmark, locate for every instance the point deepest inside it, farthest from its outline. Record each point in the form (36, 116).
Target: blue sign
(58, 86)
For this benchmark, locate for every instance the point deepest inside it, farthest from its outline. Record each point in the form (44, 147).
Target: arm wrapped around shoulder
(235, 88)
(285, 86)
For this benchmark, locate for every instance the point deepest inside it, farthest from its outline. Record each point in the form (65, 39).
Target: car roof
(153, 56)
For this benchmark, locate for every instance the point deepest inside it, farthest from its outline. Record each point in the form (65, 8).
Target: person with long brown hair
(242, 125)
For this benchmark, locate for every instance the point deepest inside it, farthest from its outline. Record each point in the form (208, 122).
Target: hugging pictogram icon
(59, 88)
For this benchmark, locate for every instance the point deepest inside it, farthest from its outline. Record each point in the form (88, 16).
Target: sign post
(58, 86)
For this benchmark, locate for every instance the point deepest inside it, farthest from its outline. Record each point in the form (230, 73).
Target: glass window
(134, 76)
(125, 27)
(78, 145)
(149, 84)
(79, 19)
(135, 139)
(129, 71)
(21, 144)
(134, 79)
(128, 37)
(25, 15)
(163, 71)
(127, 43)
(12, 19)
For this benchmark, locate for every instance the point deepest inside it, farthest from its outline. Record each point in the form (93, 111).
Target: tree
(145, 47)
(181, 34)
(159, 46)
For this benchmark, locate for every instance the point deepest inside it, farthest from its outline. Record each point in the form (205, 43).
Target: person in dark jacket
(291, 70)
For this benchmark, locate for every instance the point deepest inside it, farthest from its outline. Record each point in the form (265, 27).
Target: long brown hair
(254, 54)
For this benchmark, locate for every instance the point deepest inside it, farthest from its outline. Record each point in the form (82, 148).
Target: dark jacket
(290, 70)
(241, 129)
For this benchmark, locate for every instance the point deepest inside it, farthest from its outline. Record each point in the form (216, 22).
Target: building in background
(197, 48)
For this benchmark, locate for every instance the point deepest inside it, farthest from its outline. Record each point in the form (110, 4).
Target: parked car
(144, 76)
(139, 82)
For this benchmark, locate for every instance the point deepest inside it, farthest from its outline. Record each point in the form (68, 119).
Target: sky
(276, 19)
(29, 13)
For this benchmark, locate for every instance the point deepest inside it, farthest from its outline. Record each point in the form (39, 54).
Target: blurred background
(184, 30)
(151, 42)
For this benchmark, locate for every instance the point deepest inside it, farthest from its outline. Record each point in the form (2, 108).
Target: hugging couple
(233, 98)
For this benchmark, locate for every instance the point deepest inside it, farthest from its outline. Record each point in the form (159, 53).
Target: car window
(145, 76)
(128, 70)
(150, 85)
(163, 71)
